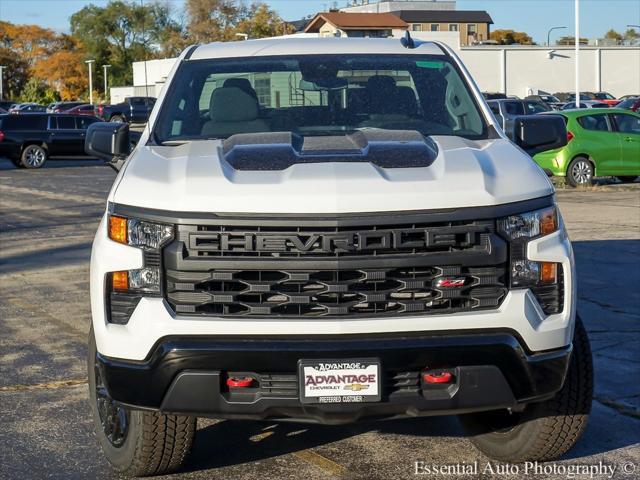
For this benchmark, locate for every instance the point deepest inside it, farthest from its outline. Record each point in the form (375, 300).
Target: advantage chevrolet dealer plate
(339, 381)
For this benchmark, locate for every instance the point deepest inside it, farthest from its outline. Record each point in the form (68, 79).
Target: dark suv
(29, 140)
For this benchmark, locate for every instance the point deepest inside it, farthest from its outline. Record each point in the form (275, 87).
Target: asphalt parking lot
(47, 222)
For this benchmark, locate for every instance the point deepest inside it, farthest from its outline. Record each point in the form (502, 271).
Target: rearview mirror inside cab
(539, 133)
(110, 142)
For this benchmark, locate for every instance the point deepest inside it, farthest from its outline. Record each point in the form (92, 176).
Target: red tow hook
(441, 377)
(239, 382)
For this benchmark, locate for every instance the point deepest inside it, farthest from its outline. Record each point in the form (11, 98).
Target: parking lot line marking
(45, 386)
(323, 463)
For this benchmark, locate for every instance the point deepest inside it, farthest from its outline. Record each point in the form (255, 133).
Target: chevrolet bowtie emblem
(356, 387)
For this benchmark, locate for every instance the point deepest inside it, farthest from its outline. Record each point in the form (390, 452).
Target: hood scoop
(280, 150)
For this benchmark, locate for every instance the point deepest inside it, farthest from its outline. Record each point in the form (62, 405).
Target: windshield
(317, 95)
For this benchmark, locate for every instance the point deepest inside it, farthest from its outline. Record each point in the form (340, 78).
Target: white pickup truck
(326, 230)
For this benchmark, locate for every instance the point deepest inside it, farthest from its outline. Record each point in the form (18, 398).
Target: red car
(607, 98)
(82, 110)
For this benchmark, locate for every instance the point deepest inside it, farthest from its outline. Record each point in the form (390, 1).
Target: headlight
(529, 225)
(139, 233)
(519, 230)
(148, 236)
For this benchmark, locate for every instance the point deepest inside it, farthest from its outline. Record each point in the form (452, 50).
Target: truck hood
(194, 177)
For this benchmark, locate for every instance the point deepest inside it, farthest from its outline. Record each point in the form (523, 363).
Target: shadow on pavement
(233, 442)
(54, 162)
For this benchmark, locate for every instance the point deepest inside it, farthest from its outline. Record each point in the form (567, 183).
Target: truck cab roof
(310, 46)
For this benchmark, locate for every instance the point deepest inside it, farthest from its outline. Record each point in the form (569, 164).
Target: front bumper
(187, 375)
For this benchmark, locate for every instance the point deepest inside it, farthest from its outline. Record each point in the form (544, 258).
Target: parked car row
(132, 110)
(567, 100)
(29, 140)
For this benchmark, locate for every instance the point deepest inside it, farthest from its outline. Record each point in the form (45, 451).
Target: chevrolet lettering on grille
(331, 243)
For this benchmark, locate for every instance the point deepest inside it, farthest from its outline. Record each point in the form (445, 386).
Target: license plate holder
(340, 381)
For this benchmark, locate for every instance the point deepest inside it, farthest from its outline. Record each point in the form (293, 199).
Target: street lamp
(104, 69)
(1, 78)
(90, 63)
(549, 34)
(577, 47)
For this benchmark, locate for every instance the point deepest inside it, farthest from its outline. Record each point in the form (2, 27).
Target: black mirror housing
(108, 141)
(539, 133)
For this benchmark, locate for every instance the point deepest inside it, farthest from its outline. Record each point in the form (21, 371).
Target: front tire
(33, 156)
(580, 172)
(546, 430)
(118, 119)
(136, 443)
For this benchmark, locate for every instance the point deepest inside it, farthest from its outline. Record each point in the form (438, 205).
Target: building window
(453, 27)
(471, 29)
(416, 27)
(435, 27)
(263, 89)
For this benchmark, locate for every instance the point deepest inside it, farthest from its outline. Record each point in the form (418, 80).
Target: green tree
(631, 36)
(220, 20)
(15, 73)
(613, 35)
(123, 32)
(261, 21)
(35, 90)
(510, 37)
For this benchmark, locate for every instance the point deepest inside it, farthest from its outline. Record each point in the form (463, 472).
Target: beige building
(342, 24)
(474, 26)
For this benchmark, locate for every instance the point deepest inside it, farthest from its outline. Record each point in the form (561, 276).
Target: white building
(384, 6)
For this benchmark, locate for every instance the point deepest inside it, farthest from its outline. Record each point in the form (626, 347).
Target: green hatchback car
(601, 142)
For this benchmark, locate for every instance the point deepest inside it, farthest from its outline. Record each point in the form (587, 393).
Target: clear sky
(532, 16)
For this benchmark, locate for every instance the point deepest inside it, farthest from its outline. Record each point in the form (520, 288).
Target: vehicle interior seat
(231, 111)
(391, 106)
(408, 102)
(243, 84)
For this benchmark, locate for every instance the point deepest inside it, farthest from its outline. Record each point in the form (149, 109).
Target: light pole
(90, 63)
(577, 45)
(549, 34)
(1, 85)
(104, 69)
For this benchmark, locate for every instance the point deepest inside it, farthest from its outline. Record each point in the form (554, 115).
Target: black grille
(334, 292)
(368, 266)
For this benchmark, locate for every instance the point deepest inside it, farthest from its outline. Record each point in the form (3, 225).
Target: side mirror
(110, 142)
(539, 133)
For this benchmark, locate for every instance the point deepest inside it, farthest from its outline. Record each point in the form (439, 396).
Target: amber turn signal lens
(548, 272)
(548, 221)
(118, 229)
(120, 281)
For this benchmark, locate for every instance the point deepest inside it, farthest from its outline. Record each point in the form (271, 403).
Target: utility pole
(1, 84)
(90, 63)
(106, 94)
(577, 53)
